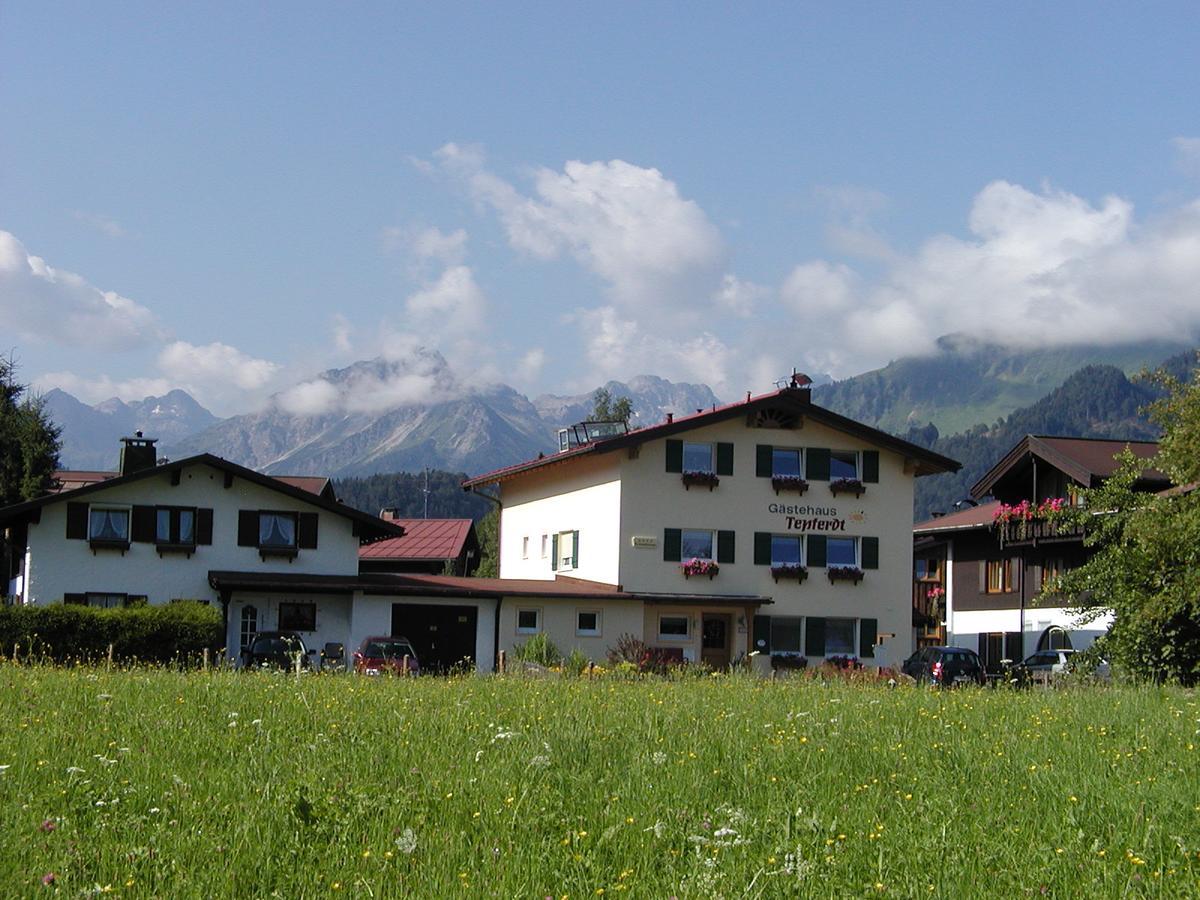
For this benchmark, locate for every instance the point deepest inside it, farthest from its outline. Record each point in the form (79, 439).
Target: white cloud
(42, 304)
(450, 305)
(213, 366)
(529, 367)
(309, 398)
(106, 225)
(96, 389)
(739, 297)
(626, 224)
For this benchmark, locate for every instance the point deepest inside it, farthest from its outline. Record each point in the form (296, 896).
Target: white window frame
(800, 542)
(686, 637)
(799, 451)
(857, 454)
(857, 564)
(712, 547)
(580, 631)
(711, 468)
(545, 546)
(799, 651)
(564, 562)
(852, 650)
(525, 547)
(110, 507)
(537, 616)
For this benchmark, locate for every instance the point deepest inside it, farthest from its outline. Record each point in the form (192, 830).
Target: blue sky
(231, 200)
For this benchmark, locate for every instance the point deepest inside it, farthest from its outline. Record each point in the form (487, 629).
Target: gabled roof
(964, 519)
(423, 540)
(367, 527)
(794, 400)
(314, 484)
(1087, 461)
(70, 479)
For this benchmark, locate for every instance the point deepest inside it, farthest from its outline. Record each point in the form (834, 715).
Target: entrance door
(714, 636)
(443, 636)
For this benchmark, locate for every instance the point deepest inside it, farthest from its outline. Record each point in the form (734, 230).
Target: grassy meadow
(161, 784)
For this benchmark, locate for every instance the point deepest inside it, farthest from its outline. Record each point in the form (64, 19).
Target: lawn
(152, 783)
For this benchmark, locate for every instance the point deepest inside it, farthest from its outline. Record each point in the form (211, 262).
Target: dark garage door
(443, 636)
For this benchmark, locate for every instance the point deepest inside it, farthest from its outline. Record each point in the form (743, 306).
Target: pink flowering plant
(789, 570)
(700, 567)
(847, 486)
(1016, 521)
(845, 573)
(701, 479)
(789, 483)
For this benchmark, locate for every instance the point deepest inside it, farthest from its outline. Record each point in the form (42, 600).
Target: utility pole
(425, 491)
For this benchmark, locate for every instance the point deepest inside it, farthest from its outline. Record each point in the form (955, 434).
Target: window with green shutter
(725, 547)
(762, 548)
(762, 461)
(674, 456)
(870, 466)
(724, 459)
(672, 545)
(817, 459)
(814, 636)
(816, 550)
(868, 631)
(870, 553)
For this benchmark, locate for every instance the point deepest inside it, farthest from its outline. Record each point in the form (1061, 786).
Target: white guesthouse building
(770, 524)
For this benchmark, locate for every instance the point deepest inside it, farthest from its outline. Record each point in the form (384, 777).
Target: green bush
(538, 649)
(156, 634)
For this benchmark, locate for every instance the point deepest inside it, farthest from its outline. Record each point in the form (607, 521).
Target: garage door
(443, 636)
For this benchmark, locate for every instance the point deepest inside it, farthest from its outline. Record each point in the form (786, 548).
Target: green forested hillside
(405, 491)
(965, 382)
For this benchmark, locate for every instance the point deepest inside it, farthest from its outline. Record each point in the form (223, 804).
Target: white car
(1053, 663)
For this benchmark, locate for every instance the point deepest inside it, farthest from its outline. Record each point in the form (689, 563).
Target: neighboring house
(771, 524)
(979, 572)
(431, 546)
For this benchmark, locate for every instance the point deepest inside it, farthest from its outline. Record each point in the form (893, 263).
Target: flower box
(847, 486)
(699, 567)
(789, 483)
(788, 661)
(797, 572)
(700, 479)
(845, 573)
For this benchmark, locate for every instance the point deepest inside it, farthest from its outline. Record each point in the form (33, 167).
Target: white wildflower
(658, 758)
(539, 762)
(407, 842)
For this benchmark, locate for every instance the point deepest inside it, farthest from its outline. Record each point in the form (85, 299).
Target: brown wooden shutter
(77, 521)
(204, 526)
(143, 525)
(247, 527)
(306, 531)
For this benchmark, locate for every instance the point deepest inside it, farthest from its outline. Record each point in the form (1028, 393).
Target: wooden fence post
(110, 656)
(404, 665)
(503, 661)
(205, 659)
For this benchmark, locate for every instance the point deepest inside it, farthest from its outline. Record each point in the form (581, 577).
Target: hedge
(179, 632)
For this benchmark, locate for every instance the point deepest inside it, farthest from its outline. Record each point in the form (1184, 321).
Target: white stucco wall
(56, 566)
(333, 619)
(583, 495)
(558, 619)
(969, 624)
(372, 615)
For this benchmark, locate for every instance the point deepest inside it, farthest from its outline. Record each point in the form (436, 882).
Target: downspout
(499, 600)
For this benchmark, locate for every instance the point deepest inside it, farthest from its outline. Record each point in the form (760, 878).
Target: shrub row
(159, 634)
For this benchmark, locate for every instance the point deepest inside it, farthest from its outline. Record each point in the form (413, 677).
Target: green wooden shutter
(817, 459)
(983, 649)
(247, 528)
(575, 547)
(814, 636)
(77, 521)
(762, 548)
(306, 531)
(870, 461)
(554, 553)
(764, 460)
(870, 552)
(868, 631)
(672, 545)
(724, 459)
(762, 634)
(816, 552)
(725, 547)
(143, 525)
(674, 456)
(204, 526)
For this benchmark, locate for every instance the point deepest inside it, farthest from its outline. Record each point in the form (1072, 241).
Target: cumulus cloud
(215, 364)
(42, 304)
(1039, 268)
(529, 367)
(626, 224)
(96, 389)
(451, 304)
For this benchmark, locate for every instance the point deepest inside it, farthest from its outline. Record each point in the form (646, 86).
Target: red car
(386, 656)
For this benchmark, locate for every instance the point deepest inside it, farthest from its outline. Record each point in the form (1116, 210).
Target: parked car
(276, 650)
(1046, 664)
(945, 666)
(386, 655)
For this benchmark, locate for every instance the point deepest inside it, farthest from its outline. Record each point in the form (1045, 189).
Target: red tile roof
(424, 539)
(70, 479)
(971, 517)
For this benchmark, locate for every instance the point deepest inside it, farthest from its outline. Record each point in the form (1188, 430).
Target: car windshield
(389, 649)
(277, 645)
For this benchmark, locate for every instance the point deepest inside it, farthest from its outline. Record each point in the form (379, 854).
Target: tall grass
(154, 783)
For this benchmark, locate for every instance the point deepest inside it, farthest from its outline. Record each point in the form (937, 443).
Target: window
(297, 617)
(785, 550)
(529, 621)
(587, 623)
(1052, 570)
(674, 628)
(839, 637)
(697, 457)
(545, 542)
(106, 601)
(785, 634)
(696, 544)
(566, 550)
(525, 547)
(175, 525)
(786, 462)
(841, 552)
(249, 626)
(843, 464)
(928, 569)
(998, 576)
(277, 530)
(108, 524)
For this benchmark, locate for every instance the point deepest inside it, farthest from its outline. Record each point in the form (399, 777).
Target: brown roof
(314, 484)
(70, 479)
(971, 517)
(456, 586)
(1086, 460)
(424, 539)
(796, 400)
